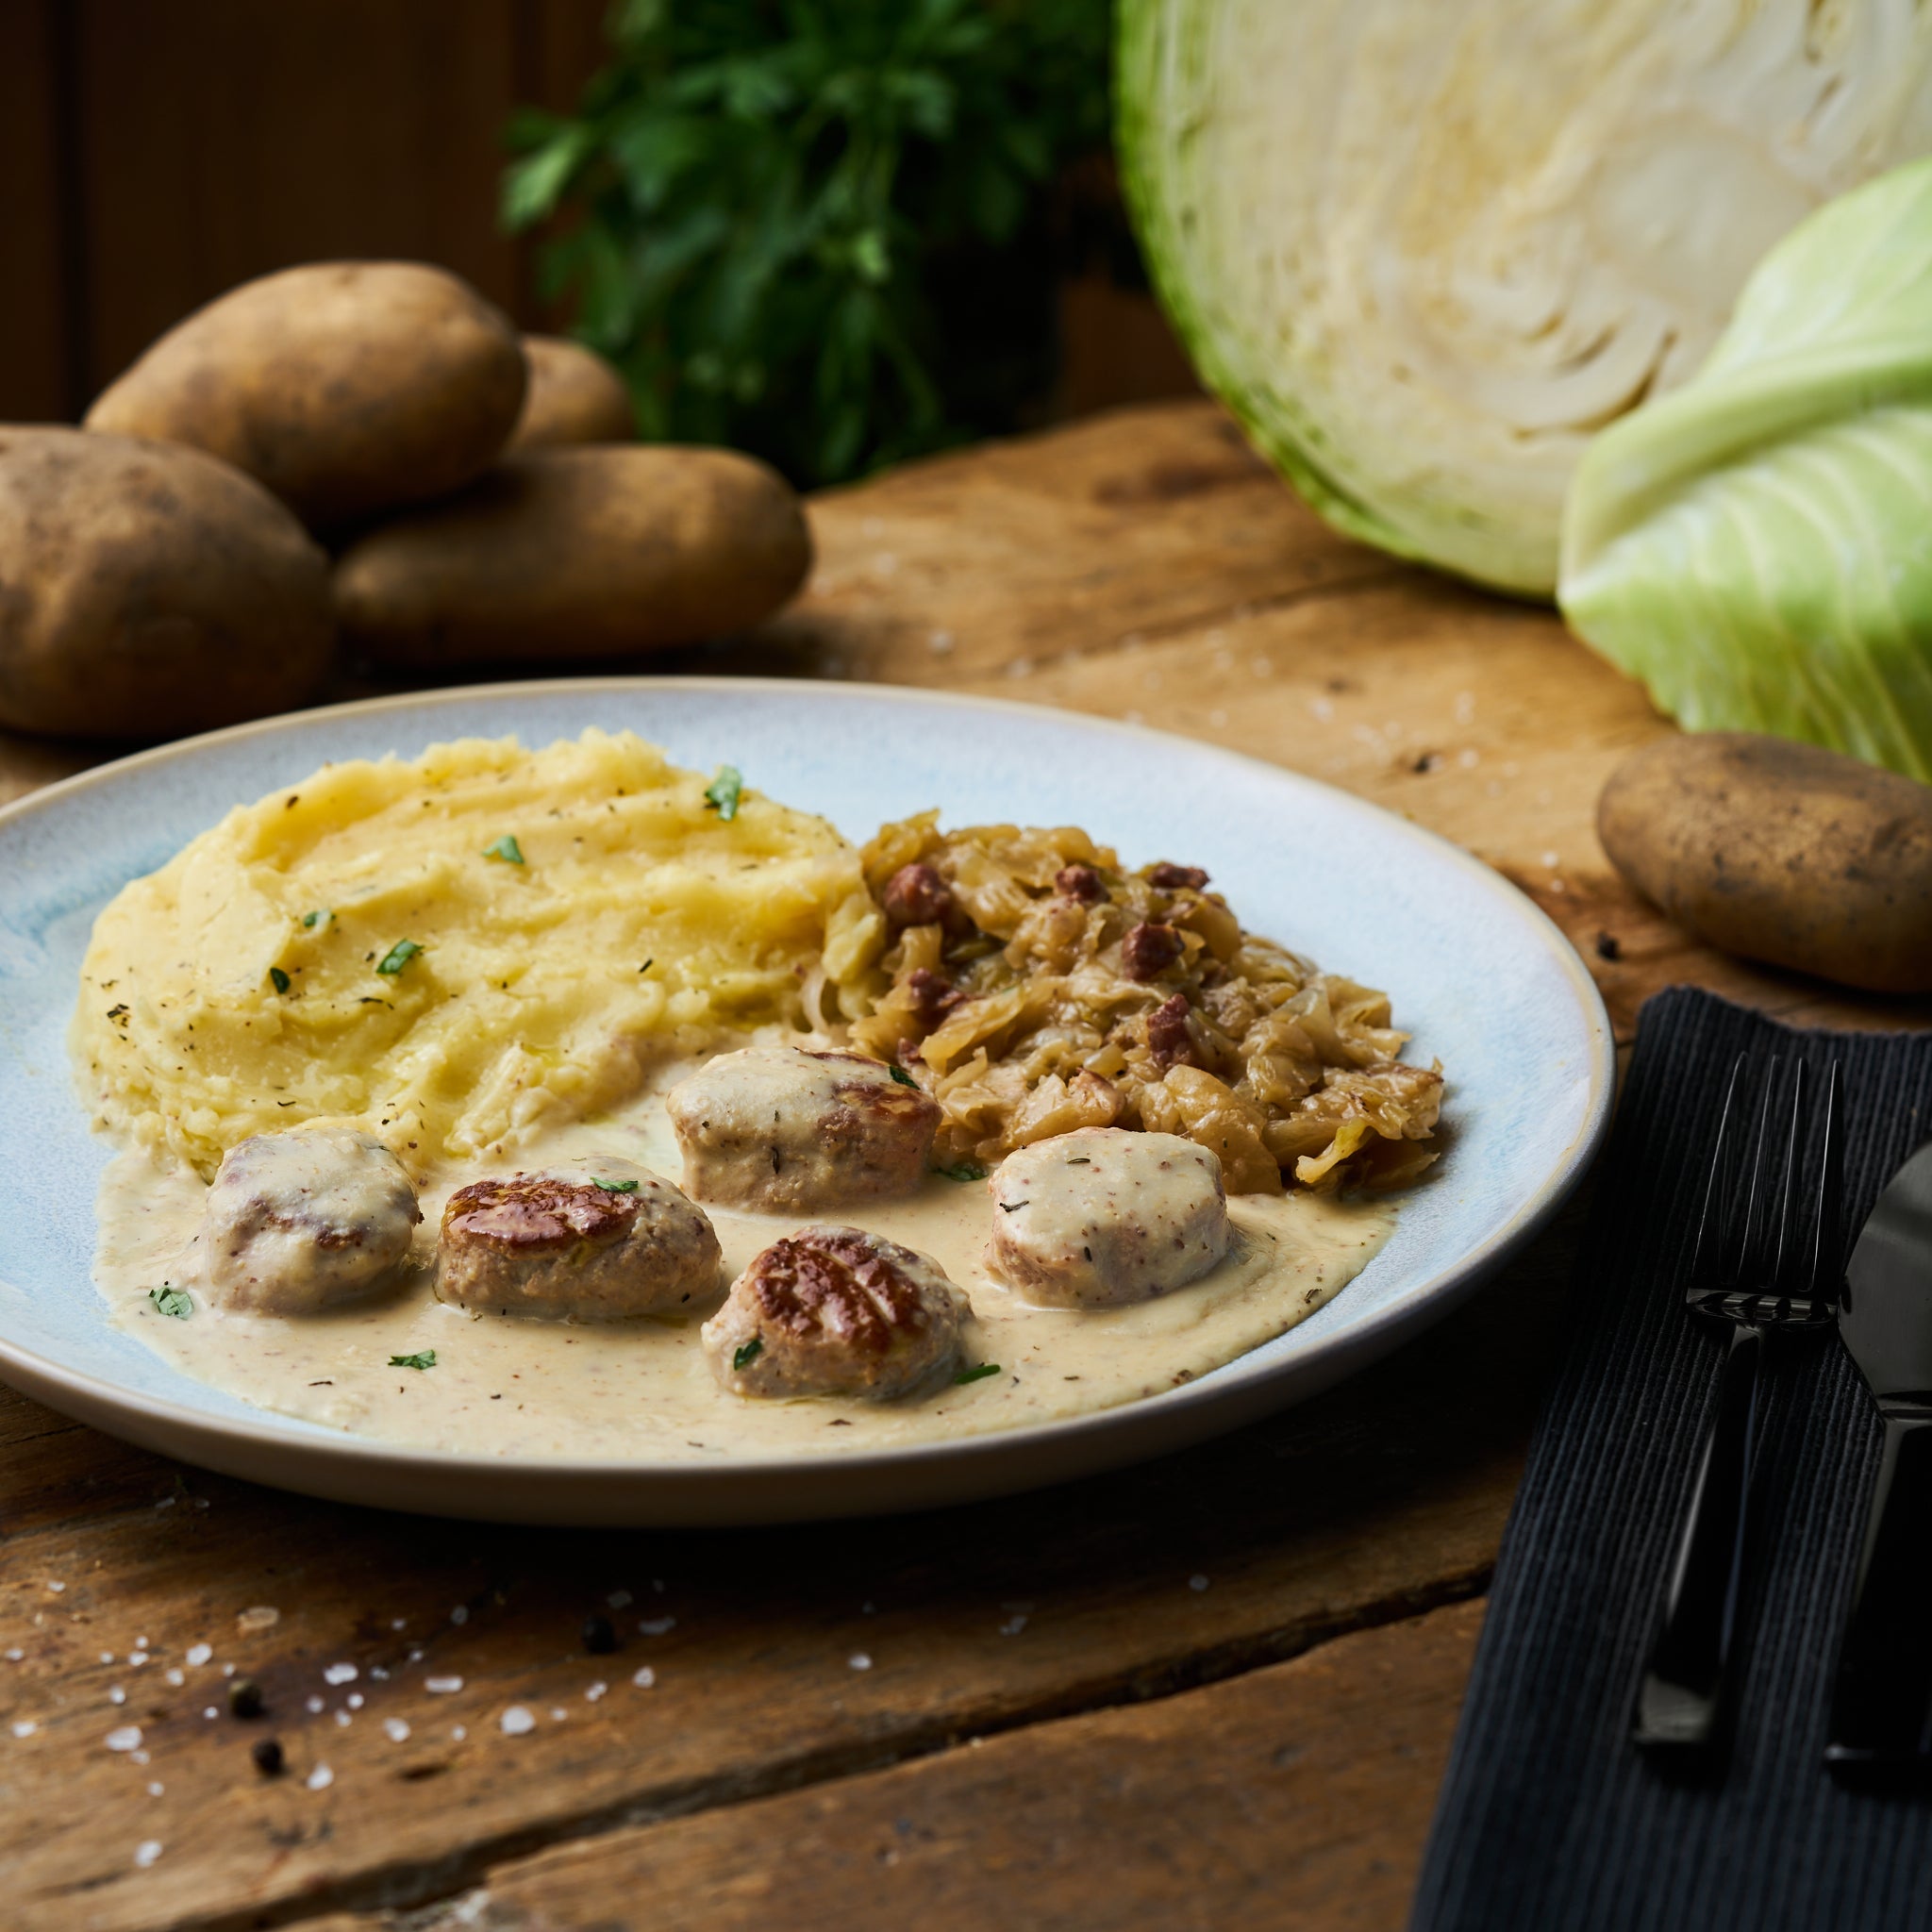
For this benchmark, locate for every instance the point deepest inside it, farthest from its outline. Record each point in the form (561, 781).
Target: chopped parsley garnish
(722, 794)
(747, 1353)
(614, 1186)
(505, 849)
(426, 1359)
(279, 980)
(975, 1374)
(171, 1300)
(962, 1171)
(398, 956)
(321, 916)
(900, 1074)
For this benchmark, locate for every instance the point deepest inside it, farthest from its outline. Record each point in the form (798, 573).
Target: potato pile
(362, 454)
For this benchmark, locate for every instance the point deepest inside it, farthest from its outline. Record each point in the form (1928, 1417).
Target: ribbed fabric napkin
(1550, 1820)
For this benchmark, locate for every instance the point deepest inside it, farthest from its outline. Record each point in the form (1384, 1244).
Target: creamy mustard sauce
(641, 1391)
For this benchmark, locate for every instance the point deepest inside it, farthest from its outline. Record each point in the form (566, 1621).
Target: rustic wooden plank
(1294, 1796)
(1127, 526)
(34, 316)
(224, 138)
(1381, 1498)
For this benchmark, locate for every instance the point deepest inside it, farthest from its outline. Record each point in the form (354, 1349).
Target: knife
(1881, 1711)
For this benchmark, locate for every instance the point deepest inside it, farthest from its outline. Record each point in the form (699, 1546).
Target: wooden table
(1215, 1691)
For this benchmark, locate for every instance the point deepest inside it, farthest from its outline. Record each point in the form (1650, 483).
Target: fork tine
(1713, 1224)
(1747, 1254)
(1783, 1246)
(1817, 1267)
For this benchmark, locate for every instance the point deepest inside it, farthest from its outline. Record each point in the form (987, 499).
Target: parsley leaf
(279, 980)
(962, 1171)
(505, 849)
(614, 1186)
(398, 956)
(171, 1300)
(321, 916)
(721, 794)
(978, 1374)
(900, 1074)
(747, 1353)
(426, 1359)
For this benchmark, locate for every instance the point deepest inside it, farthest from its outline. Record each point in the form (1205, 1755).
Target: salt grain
(146, 1851)
(1012, 1626)
(177, 1677)
(210, 1710)
(395, 1729)
(859, 1660)
(126, 1738)
(56, 1588)
(595, 1691)
(14, 1656)
(656, 1626)
(557, 1714)
(343, 1720)
(321, 1779)
(516, 1721)
(378, 1672)
(107, 1655)
(315, 1707)
(136, 1757)
(25, 1727)
(116, 1695)
(137, 1658)
(619, 1600)
(459, 1732)
(644, 1678)
(198, 1653)
(461, 1614)
(354, 1700)
(154, 1790)
(341, 1674)
(1197, 1582)
(261, 1617)
(398, 1623)
(443, 1687)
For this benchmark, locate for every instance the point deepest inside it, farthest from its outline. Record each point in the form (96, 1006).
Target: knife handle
(1882, 1702)
(1684, 1683)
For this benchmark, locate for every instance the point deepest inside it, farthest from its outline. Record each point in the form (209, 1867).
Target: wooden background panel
(35, 319)
(156, 153)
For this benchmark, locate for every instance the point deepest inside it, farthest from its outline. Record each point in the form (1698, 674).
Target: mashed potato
(448, 950)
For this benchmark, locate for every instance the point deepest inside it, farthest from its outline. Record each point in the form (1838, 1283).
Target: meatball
(599, 1240)
(782, 1131)
(300, 1221)
(836, 1311)
(1104, 1216)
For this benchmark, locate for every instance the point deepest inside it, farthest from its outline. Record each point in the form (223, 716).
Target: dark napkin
(1549, 1819)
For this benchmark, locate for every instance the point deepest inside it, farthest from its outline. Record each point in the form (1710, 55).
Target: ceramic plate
(1484, 981)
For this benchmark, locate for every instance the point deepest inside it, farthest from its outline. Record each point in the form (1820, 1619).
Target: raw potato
(346, 387)
(575, 397)
(577, 553)
(1782, 851)
(147, 589)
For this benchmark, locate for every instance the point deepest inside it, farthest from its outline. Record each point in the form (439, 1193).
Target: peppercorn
(267, 1752)
(245, 1697)
(600, 1639)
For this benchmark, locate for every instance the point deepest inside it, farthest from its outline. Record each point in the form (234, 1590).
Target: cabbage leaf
(1425, 250)
(1757, 547)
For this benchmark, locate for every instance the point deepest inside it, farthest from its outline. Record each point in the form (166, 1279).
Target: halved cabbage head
(1425, 249)
(1757, 547)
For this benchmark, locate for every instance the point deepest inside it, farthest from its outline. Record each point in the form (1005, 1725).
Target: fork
(1758, 1264)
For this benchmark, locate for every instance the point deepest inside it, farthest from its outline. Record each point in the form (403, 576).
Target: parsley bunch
(820, 229)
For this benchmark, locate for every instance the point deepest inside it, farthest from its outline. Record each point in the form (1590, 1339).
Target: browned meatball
(836, 1311)
(783, 1132)
(299, 1222)
(597, 1241)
